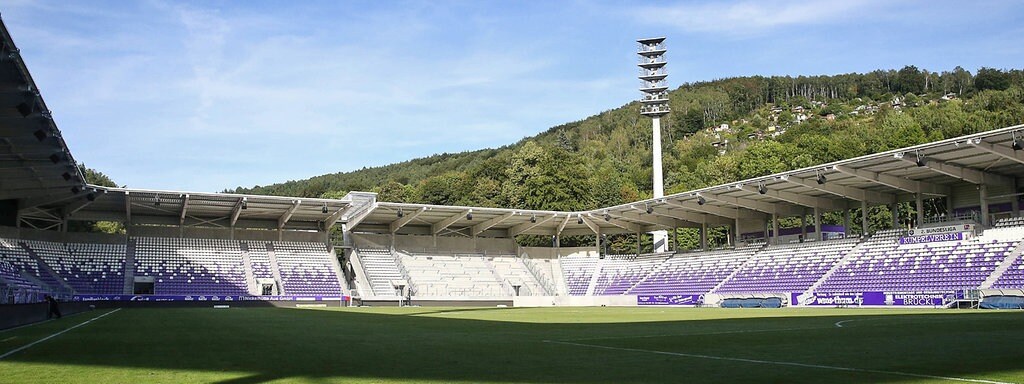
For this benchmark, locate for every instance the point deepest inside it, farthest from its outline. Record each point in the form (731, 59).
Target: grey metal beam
(406, 218)
(184, 209)
(288, 214)
(848, 192)
(632, 227)
(237, 211)
(1004, 152)
(586, 221)
(970, 175)
(913, 186)
(760, 206)
(798, 199)
(441, 225)
(519, 229)
(128, 208)
(334, 217)
(480, 228)
(654, 218)
(561, 226)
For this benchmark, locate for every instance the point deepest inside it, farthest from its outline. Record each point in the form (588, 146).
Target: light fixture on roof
(919, 160)
(607, 217)
(649, 209)
(66, 176)
(157, 203)
(75, 190)
(821, 178)
(533, 218)
(469, 216)
(762, 189)
(400, 213)
(56, 157)
(701, 200)
(325, 209)
(91, 196)
(40, 134)
(1017, 145)
(579, 219)
(245, 203)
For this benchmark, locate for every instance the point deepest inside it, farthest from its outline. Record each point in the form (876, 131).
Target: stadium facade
(192, 246)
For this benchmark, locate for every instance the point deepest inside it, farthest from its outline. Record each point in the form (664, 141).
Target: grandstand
(180, 244)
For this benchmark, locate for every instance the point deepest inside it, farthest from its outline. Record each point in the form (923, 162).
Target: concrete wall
(575, 301)
(440, 244)
(226, 233)
(554, 253)
(16, 315)
(60, 237)
(158, 231)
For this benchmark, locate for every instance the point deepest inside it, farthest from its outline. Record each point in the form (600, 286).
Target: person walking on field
(53, 309)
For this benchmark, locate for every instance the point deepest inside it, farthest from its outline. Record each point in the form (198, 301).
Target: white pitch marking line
(38, 323)
(787, 363)
(8, 339)
(55, 334)
(839, 324)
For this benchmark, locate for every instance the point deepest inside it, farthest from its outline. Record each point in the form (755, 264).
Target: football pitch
(517, 345)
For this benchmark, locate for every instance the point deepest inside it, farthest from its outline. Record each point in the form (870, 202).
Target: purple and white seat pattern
(191, 266)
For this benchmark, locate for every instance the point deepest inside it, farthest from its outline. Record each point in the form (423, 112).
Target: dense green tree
(989, 78)
(605, 159)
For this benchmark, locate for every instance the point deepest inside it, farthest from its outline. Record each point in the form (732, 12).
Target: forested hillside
(719, 131)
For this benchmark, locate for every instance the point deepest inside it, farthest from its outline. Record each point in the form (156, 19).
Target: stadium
(245, 288)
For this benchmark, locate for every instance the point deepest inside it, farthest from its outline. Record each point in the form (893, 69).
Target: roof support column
(817, 225)
(775, 228)
(1015, 202)
(639, 237)
(864, 218)
(895, 209)
(736, 233)
(704, 236)
(919, 204)
(846, 223)
(803, 227)
(983, 196)
(949, 206)
(675, 240)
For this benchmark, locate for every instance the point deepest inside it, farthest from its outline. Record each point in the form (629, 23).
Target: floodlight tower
(654, 104)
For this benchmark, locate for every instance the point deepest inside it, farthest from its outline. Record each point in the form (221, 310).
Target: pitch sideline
(27, 346)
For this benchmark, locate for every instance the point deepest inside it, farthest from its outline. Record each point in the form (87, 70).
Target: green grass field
(519, 345)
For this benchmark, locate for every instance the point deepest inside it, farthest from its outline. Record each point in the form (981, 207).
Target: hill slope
(719, 131)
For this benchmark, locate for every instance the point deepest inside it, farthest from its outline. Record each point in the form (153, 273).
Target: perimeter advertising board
(686, 299)
(214, 298)
(898, 299)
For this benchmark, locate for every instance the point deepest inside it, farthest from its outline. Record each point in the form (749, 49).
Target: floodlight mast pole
(654, 103)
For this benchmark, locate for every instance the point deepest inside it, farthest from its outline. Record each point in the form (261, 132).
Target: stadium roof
(140, 206)
(38, 171)
(36, 166)
(884, 178)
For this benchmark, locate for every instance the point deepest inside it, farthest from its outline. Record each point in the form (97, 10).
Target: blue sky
(208, 95)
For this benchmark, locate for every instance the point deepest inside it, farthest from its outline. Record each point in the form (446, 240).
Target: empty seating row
(787, 268)
(693, 273)
(306, 268)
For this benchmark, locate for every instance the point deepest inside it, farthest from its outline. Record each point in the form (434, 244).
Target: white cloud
(750, 16)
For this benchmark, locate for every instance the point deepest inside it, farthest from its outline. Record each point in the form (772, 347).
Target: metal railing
(966, 216)
(405, 273)
(641, 47)
(542, 279)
